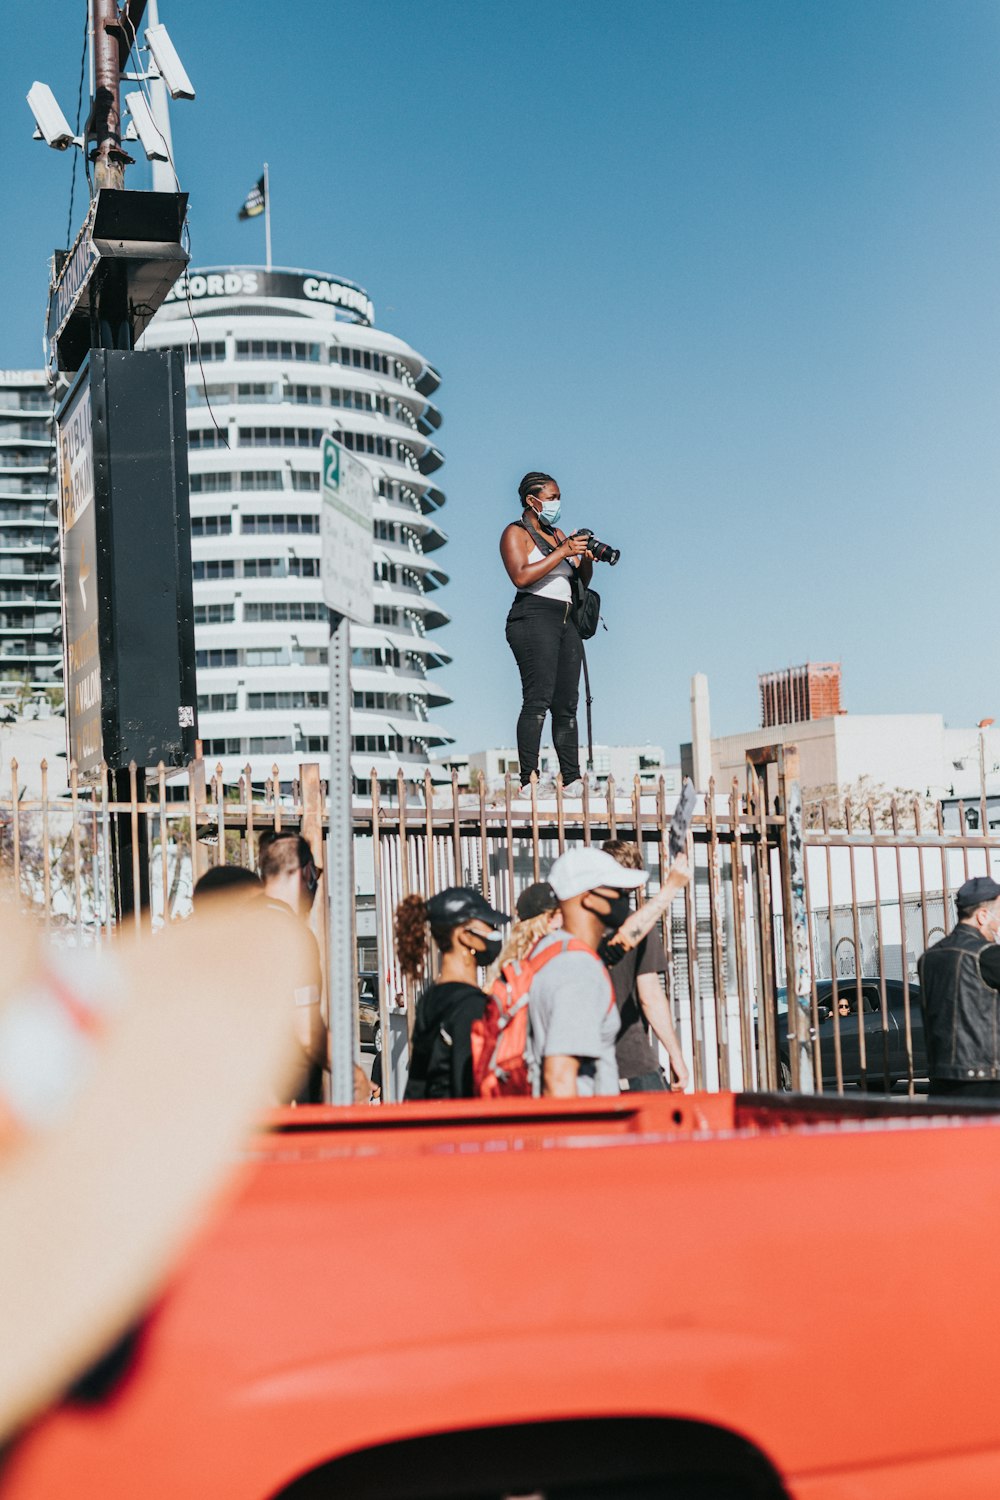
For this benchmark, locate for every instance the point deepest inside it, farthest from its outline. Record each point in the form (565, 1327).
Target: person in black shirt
(466, 931)
(960, 996)
(642, 1004)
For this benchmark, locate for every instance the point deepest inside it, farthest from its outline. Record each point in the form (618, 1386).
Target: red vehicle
(711, 1296)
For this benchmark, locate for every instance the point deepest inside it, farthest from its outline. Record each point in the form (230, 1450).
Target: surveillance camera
(53, 126)
(147, 131)
(168, 64)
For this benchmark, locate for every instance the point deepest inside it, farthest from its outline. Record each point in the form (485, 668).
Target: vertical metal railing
(875, 890)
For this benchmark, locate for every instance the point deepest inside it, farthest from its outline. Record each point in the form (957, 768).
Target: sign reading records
(346, 524)
(298, 286)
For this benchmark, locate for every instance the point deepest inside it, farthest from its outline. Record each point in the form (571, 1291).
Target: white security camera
(147, 132)
(168, 64)
(53, 126)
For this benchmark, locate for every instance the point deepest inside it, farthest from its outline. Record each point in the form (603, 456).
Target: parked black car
(371, 1028)
(885, 1046)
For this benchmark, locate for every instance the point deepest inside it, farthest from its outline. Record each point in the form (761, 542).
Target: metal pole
(340, 870)
(267, 218)
(106, 129)
(795, 922)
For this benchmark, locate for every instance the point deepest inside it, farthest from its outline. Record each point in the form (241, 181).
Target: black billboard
(125, 538)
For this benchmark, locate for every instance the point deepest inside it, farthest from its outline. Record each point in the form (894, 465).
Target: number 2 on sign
(331, 477)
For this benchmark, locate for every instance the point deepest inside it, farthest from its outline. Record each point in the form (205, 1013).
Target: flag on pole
(255, 201)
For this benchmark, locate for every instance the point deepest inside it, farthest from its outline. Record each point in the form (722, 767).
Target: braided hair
(532, 483)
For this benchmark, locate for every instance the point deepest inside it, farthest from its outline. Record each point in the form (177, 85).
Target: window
(375, 656)
(296, 609)
(280, 525)
(301, 698)
(209, 352)
(312, 743)
(305, 395)
(257, 390)
(212, 569)
(267, 656)
(216, 658)
(277, 349)
(207, 437)
(394, 702)
(214, 614)
(309, 656)
(261, 479)
(201, 395)
(211, 525)
(280, 437)
(367, 442)
(211, 484)
(264, 567)
(304, 481)
(216, 703)
(304, 567)
(271, 744)
(221, 747)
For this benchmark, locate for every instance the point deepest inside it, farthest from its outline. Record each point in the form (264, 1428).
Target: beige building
(915, 753)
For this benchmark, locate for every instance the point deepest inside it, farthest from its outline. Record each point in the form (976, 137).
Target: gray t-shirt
(573, 1014)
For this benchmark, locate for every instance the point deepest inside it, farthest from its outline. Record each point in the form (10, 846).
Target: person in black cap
(538, 914)
(960, 996)
(466, 931)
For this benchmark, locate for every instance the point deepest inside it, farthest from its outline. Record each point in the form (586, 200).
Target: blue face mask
(551, 511)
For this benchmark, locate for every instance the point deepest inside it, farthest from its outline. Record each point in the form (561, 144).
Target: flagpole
(267, 217)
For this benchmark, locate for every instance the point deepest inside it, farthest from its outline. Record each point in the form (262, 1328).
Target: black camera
(600, 551)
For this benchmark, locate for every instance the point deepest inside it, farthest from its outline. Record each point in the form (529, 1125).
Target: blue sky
(729, 270)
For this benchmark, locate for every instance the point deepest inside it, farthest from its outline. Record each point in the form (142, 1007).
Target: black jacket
(960, 994)
(441, 1049)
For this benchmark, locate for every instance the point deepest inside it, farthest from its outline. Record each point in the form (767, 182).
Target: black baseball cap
(536, 899)
(461, 903)
(977, 892)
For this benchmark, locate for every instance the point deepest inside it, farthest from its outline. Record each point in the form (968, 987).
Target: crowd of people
(595, 1019)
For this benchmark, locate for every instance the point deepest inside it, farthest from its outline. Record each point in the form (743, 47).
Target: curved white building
(274, 359)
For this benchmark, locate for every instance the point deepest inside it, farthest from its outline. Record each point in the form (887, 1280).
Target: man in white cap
(574, 1018)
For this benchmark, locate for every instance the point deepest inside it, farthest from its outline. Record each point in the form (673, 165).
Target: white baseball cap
(580, 870)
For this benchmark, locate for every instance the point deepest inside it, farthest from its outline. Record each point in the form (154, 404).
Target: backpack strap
(570, 944)
(542, 543)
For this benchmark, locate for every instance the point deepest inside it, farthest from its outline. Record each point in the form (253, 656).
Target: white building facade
(622, 762)
(274, 359)
(29, 571)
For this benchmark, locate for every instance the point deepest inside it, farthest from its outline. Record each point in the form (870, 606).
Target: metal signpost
(348, 493)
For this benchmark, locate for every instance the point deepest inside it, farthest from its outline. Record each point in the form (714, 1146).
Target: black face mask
(488, 955)
(618, 910)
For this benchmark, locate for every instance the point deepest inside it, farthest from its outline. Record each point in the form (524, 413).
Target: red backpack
(500, 1038)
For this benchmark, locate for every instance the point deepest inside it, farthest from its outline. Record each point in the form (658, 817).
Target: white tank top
(554, 585)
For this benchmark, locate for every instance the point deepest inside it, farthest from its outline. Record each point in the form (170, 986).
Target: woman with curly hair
(465, 929)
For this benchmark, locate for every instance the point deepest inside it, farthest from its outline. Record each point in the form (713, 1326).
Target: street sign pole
(348, 494)
(342, 984)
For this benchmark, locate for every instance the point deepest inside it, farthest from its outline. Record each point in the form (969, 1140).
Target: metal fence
(865, 898)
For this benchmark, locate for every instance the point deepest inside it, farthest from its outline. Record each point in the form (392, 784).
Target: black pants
(962, 1088)
(646, 1083)
(549, 653)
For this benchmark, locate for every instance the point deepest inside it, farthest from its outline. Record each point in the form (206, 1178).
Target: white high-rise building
(29, 571)
(274, 359)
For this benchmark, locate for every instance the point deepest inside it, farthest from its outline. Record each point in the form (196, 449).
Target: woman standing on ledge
(541, 629)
